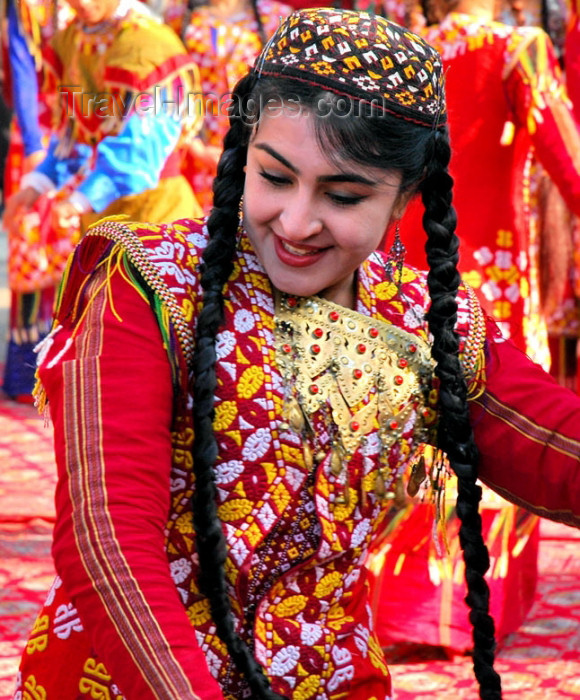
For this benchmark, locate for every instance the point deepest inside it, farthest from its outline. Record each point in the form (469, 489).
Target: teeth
(296, 251)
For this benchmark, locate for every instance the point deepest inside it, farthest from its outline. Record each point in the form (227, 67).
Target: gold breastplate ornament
(360, 374)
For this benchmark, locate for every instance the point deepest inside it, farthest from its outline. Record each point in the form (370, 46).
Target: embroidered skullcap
(362, 56)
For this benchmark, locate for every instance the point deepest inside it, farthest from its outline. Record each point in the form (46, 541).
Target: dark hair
(422, 155)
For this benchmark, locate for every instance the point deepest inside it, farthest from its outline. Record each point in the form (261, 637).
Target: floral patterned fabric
(296, 547)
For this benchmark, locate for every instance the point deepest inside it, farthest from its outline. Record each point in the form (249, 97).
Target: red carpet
(541, 661)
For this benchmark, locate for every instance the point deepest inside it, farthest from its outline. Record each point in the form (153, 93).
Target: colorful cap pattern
(360, 56)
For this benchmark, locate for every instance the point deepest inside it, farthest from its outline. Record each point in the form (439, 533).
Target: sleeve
(527, 429)
(24, 84)
(131, 161)
(109, 386)
(539, 102)
(55, 169)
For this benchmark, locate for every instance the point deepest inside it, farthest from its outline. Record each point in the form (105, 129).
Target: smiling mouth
(303, 252)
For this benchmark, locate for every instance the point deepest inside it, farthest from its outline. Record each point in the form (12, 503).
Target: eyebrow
(338, 177)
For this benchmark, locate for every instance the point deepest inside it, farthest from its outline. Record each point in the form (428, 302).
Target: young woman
(236, 401)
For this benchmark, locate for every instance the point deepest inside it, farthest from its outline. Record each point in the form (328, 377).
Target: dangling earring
(240, 231)
(396, 260)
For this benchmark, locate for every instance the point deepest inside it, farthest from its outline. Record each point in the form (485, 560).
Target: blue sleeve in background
(131, 161)
(24, 84)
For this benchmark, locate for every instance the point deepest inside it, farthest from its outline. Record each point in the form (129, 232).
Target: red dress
(125, 617)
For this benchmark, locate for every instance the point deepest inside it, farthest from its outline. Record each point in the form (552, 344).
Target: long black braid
(422, 155)
(455, 433)
(215, 271)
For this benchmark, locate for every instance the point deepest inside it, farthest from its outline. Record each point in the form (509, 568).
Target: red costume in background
(507, 106)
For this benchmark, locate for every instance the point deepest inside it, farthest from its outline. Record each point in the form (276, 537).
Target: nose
(300, 217)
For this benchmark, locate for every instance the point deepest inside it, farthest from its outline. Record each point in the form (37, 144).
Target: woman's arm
(527, 428)
(109, 387)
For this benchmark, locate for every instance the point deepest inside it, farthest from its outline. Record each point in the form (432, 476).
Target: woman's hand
(18, 204)
(65, 215)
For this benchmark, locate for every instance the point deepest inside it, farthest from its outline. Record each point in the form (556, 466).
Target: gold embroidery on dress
(362, 374)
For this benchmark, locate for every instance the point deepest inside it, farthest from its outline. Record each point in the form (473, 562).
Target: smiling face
(312, 222)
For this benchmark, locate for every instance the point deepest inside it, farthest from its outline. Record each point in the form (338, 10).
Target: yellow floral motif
(505, 239)
(307, 689)
(386, 290)
(281, 497)
(97, 669)
(291, 606)
(327, 584)
(502, 310)
(342, 511)
(235, 510)
(225, 413)
(32, 691)
(250, 381)
(199, 612)
(292, 455)
(38, 641)
(184, 523)
(337, 618)
(241, 359)
(376, 655)
(254, 534)
(472, 278)
(188, 309)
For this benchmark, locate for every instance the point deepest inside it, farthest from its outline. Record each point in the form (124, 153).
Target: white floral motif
(243, 320)
(56, 584)
(257, 444)
(309, 633)
(180, 569)
(360, 533)
(340, 676)
(285, 660)
(414, 316)
(229, 471)
(266, 515)
(225, 343)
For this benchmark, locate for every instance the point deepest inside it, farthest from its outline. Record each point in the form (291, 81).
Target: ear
(401, 204)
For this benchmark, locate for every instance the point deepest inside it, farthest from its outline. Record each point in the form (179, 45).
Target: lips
(297, 256)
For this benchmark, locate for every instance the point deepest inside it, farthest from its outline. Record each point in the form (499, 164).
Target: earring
(396, 260)
(240, 231)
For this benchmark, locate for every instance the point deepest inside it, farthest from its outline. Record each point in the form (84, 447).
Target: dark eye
(346, 200)
(276, 180)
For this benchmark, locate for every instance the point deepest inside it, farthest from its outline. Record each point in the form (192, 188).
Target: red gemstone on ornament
(292, 301)
(314, 389)
(398, 380)
(318, 332)
(286, 348)
(354, 426)
(412, 348)
(393, 425)
(334, 315)
(402, 362)
(426, 412)
(361, 348)
(357, 373)
(373, 332)
(315, 349)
